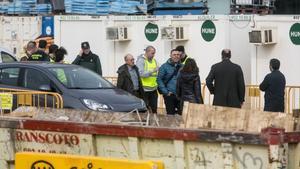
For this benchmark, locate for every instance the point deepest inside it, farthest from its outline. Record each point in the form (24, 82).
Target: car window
(79, 78)
(6, 58)
(9, 76)
(60, 74)
(34, 79)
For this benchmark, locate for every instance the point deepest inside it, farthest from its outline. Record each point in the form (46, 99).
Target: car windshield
(79, 78)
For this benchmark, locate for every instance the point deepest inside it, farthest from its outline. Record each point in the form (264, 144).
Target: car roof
(37, 64)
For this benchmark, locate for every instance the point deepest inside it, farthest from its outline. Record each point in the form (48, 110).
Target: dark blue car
(79, 87)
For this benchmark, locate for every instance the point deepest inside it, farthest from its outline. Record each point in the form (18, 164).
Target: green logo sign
(295, 34)
(151, 32)
(208, 30)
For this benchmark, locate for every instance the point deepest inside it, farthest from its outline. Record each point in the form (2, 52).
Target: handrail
(33, 98)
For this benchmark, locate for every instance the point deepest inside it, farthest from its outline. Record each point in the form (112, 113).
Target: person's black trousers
(151, 100)
(173, 105)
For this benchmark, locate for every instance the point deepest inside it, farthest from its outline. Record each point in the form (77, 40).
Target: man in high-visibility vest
(183, 55)
(148, 68)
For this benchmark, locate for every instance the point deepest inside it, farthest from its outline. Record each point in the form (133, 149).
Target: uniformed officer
(34, 54)
(86, 58)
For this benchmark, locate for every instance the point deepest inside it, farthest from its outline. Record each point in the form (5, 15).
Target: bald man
(148, 67)
(129, 77)
(226, 82)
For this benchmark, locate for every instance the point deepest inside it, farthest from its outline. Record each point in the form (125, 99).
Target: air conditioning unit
(174, 33)
(117, 33)
(263, 36)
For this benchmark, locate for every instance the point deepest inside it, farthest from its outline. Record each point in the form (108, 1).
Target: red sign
(49, 138)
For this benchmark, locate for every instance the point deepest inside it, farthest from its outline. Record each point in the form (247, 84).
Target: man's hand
(80, 53)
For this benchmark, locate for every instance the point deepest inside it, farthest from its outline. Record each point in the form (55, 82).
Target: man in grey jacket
(148, 68)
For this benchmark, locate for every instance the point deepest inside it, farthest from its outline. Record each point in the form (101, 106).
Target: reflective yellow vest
(151, 80)
(61, 76)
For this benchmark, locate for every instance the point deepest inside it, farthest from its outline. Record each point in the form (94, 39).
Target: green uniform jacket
(39, 56)
(90, 61)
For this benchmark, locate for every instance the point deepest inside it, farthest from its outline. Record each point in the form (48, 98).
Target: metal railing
(112, 79)
(293, 99)
(37, 99)
(254, 98)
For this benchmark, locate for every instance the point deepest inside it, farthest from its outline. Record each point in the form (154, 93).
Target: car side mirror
(45, 88)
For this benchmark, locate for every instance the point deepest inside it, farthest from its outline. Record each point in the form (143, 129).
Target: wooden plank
(225, 118)
(24, 111)
(185, 114)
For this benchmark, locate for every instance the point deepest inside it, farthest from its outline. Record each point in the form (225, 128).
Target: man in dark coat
(129, 78)
(229, 86)
(43, 45)
(273, 85)
(88, 59)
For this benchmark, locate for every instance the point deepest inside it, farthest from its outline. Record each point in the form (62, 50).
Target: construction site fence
(254, 97)
(11, 99)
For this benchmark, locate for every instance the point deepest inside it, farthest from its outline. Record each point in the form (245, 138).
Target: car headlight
(93, 105)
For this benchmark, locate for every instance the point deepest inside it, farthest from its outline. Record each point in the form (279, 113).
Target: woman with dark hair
(188, 83)
(60, 55)
(52, 49)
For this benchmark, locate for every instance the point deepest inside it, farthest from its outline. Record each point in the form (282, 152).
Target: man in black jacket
(88, 59)
(273, 85)
(229, 86)
(129, 78)
(42, 45)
